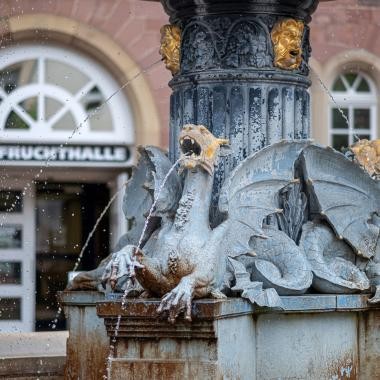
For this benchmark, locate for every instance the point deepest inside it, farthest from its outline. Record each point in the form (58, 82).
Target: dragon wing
(345, 195)
(251, 193)
(145, 185)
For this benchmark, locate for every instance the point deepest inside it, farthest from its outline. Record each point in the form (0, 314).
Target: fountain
(264, 246)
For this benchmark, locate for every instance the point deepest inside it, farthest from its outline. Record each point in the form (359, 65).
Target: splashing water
(328, 92)
(77, 129)
(157, 197)
(99, 108)
(54, 322)
(108, 205)
(28, 186)
(124, 297)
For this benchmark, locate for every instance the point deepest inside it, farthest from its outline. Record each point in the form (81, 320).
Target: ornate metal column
(243, 72)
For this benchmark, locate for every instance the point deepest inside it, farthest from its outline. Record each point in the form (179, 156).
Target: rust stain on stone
(344, 368)
(89, 357)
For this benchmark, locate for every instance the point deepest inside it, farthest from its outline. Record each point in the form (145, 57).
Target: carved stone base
(207, 348)
(316, 337)
(87, 345)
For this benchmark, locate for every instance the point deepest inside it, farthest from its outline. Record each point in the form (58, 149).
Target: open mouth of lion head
(190, 147)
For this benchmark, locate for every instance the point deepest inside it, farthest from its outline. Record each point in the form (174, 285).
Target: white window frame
(26, 255)
(41, 131)
(351, 100)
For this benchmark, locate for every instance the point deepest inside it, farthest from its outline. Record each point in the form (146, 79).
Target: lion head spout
(287, 43)
(170, 47)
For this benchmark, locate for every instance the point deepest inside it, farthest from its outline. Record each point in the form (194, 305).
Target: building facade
(81, 85)
(345, 58)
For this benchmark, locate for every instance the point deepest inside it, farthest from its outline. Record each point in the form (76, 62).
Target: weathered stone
(87, 345)
(228, 81)
(39, 355)
(315, 337)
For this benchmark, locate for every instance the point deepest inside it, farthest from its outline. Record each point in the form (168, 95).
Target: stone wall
(342, 25)
(33, 355)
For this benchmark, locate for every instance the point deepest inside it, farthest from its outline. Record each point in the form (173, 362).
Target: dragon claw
(217, 294)
(376, 298)
(176, 302)
(123, 263)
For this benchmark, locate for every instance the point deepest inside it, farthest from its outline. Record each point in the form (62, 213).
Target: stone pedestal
(87, 345)
(148, 347)
(314, 338)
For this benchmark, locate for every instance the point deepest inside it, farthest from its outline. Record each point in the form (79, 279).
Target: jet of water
(54, 322)
(324, 87)
(79, 126)
(124, 297)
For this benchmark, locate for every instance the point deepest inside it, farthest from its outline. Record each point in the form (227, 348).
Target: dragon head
(199, 148)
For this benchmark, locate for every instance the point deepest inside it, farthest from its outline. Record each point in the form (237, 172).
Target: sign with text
(65, 154)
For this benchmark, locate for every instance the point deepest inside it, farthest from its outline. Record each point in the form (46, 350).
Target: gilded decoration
(287, 44)
(170, 47)
(367, 154)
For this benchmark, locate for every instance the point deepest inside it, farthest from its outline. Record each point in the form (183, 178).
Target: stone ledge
(80, 297)
(324, 303)
(153, 328)
(47, 367)
(35, 344)
(211, 309)
(203, 309)
(139, 319)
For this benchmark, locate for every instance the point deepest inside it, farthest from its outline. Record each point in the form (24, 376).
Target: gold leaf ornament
(170, 47)
(367, 154)
(287, 43)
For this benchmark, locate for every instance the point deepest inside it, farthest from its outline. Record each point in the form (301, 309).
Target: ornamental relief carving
(306, 51)
(198, 49)
(247, 46)
(231, 42)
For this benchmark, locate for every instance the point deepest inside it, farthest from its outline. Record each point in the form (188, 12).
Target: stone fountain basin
(314, 337)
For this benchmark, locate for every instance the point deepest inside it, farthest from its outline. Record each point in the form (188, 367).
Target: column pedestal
(87, 345)
(148, 347)
(315, 337)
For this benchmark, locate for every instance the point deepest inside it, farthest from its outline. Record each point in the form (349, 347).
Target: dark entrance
(66, 213)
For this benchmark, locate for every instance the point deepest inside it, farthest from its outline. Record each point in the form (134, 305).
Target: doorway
(65, 215)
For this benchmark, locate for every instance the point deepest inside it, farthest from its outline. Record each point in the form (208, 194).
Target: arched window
(353, 113)
(47, 93)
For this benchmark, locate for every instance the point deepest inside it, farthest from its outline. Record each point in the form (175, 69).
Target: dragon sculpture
(294, 215)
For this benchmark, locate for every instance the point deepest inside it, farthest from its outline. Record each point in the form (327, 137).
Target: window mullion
(23, 115)
(41, 95)
(345, 82)
(356, 83)
(373, 121)
(351, 126)
(350, 118)
(353, 100)
(84, 90)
